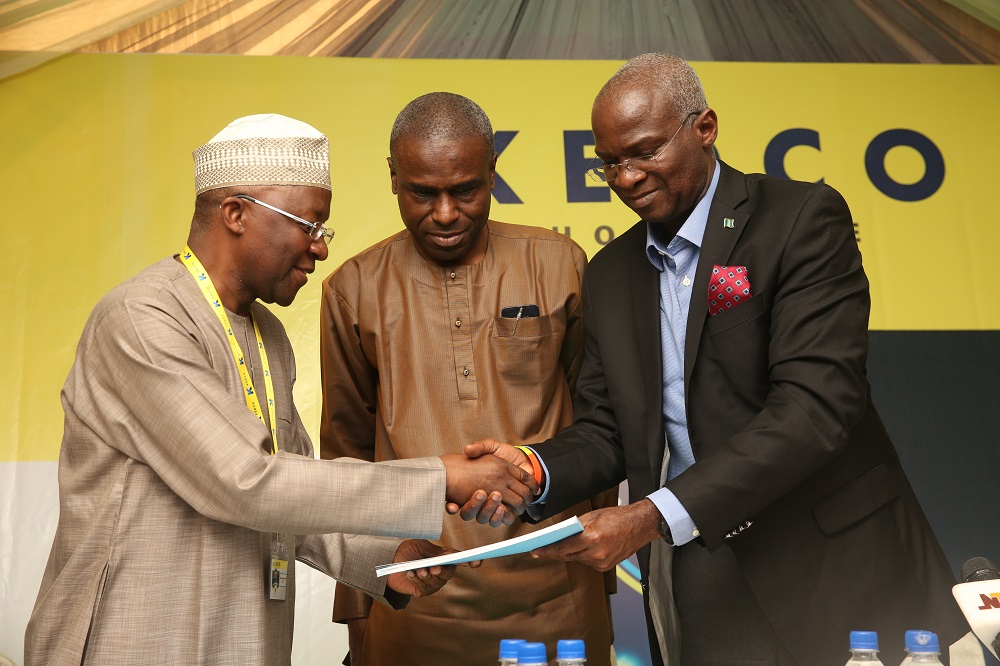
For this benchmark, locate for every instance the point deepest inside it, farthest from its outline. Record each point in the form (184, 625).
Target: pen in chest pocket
(516, 312)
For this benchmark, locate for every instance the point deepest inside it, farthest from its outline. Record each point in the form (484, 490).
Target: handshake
(492, 483)
(495, 482)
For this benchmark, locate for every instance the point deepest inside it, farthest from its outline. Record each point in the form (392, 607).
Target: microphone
(978, 595)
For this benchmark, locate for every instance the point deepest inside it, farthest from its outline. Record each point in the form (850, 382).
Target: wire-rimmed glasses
(313, 230)
(606, 172)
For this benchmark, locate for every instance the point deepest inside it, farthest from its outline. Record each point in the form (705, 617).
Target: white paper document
(520, 544)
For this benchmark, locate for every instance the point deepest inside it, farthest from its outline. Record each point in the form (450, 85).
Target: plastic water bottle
(864, 648)
(532, 654)
(923, 647)
(571, 653)
(907, 660)
(508, 651)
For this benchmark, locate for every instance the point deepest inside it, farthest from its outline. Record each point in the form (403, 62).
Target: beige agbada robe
(168, 494)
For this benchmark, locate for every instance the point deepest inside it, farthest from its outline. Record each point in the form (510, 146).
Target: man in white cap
(187, 481)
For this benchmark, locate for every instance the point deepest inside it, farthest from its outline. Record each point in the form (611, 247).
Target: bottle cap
(909, 634)
(571, 649)
(922, 641)
(864, 640)
(508, 647)
(532, 653)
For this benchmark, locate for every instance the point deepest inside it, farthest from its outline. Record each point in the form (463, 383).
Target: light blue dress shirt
(676, 260)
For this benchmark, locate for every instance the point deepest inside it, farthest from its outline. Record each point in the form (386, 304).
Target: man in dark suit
(724, 377)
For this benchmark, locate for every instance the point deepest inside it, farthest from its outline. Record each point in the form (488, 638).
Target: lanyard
(212, 296)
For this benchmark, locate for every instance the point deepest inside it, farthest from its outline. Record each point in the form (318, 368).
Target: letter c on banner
(774, 154)
(933, 165)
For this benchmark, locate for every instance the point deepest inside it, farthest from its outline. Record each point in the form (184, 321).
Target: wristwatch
(665, 532)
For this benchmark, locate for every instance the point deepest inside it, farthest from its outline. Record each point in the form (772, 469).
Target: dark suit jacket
(780, 416)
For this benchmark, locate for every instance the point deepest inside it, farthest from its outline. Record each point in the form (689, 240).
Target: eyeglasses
(314, 231)
(606, 172)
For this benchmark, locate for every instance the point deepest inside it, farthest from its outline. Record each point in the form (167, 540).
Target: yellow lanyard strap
(204, 282)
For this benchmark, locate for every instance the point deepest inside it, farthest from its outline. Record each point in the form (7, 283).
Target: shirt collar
(692, 231)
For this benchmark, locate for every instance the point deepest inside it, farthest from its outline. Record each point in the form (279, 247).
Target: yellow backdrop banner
(98, 178)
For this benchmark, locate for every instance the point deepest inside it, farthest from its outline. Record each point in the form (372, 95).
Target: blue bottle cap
(864, 640)
(922, 641)
(571, 649)
(508, 647)
(532, 653)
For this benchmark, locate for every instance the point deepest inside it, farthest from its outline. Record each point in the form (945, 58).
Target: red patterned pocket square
(728, 287)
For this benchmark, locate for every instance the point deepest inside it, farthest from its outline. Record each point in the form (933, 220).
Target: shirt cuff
(682, 527)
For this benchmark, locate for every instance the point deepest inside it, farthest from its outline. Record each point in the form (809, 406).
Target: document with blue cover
(521, 544)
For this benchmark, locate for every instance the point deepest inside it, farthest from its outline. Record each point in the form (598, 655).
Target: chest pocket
(287, 438)
(750, 309)
(525, 352)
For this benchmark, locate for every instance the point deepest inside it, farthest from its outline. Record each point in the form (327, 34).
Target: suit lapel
(644, 280)
(716, 248)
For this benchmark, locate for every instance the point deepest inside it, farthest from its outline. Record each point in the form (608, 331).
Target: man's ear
(232, 210)
(392, 175)
(707, 125)
(493, 170)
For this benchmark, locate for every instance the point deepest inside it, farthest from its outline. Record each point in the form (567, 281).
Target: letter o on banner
(604, 235)
(933, 165)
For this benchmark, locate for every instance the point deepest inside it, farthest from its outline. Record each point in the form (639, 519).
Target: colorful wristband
(536, 467)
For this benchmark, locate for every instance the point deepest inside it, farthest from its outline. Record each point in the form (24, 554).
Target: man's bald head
(669, 76)
(442, 115)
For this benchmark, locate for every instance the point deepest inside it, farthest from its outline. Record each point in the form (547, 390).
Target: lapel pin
(728, 223)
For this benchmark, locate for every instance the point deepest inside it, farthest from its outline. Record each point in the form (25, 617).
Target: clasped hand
(609, 535)
(421, 582)
(492, 483)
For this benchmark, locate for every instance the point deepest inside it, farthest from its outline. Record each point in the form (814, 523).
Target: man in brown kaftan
(456, 329)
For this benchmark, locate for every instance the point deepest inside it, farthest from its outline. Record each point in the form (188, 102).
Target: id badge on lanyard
(277, 573)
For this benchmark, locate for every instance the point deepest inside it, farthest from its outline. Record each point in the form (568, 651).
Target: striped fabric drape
(924, 31)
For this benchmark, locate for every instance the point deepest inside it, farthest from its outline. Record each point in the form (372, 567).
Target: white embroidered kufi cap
(264, 149)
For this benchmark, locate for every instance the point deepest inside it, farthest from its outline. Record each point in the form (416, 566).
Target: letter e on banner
(577, 162)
